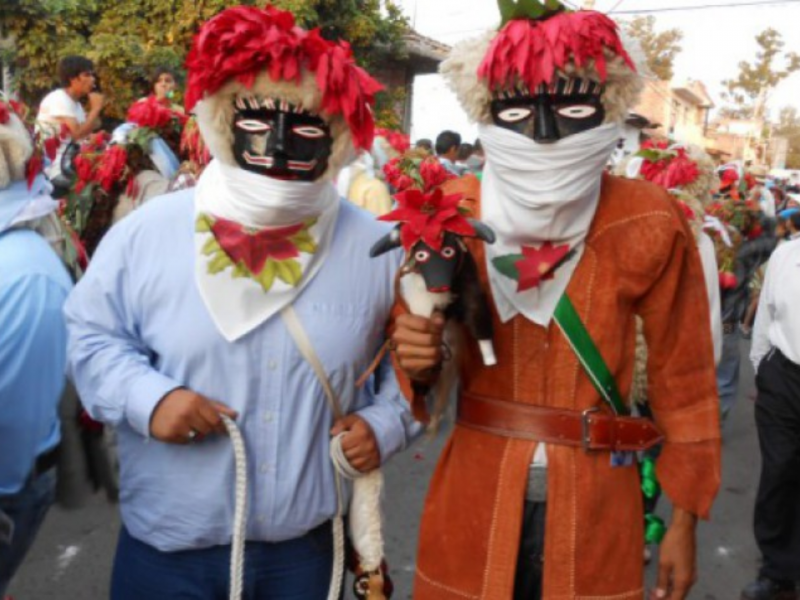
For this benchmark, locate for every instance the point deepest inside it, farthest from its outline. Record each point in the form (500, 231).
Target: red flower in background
(51, 147)
(111, 168)
(398, 140)
(433, 173)
(33, 168)
(727, 280)
(427, 216)
(5, 114)
(151, 113)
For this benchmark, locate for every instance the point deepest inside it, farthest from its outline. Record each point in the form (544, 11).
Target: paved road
(72, 557)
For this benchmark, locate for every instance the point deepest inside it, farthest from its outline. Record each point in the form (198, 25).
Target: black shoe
(770, 589)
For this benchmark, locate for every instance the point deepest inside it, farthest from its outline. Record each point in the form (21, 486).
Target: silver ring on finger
(192, 435)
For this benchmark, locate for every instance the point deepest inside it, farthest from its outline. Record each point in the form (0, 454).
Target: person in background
(477, 159)
(776, 358)
(62, 108)
(33, 349)
(163, 84)
(424, 144)
(447, 145)
(462, 158)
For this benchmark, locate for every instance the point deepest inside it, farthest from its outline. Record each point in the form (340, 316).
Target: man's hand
(183, 416)
(359, 444)
(418, 345)
(677, 569)
(96, 102)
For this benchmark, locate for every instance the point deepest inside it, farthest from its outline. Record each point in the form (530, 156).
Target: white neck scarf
(536, 193)
(238, 304)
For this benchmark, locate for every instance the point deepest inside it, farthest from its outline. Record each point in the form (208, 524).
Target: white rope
(239, 511)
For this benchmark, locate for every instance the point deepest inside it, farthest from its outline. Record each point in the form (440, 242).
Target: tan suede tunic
(640, 259)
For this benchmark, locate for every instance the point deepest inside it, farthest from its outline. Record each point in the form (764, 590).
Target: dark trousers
(530, 560)
(777, 512)
(298, 569)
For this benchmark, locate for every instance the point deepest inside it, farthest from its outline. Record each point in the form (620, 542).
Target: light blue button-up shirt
(138, 329)
(33, 348)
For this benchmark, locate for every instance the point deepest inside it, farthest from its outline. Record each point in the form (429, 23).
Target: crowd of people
(245, 347)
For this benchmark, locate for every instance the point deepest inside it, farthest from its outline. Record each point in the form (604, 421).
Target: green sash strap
(589, 356)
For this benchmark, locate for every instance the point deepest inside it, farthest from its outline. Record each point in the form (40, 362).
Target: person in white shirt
(776, 357)
(62, 107)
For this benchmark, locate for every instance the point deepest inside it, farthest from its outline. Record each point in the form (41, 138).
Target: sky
(714, 43)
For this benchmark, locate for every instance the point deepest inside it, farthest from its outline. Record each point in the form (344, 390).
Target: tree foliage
(660, 47)
(126, 39)
(789, 127)
(756, 80)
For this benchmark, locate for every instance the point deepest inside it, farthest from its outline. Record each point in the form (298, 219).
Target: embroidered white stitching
(440, 586)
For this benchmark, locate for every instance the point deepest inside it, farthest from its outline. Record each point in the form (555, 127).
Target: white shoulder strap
(300, 337)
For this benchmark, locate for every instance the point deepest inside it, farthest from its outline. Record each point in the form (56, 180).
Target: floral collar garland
(261, 256)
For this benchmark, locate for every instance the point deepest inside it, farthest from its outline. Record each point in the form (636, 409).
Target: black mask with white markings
(551, 113)
(280, 140)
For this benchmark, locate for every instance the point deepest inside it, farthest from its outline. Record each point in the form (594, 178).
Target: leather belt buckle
(586, 428)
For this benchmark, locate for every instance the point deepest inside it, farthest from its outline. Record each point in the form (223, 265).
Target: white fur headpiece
(16, 147)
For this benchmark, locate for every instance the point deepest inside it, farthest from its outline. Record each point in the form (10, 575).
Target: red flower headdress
(242, 42)
(531, 51)
(667, 166)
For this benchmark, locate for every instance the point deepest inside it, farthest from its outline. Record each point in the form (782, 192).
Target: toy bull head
(439, 272)
(438, 267)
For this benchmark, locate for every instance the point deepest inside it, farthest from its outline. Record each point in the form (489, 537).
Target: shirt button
(268, 417)
(264, 468)
(272, 365)
(260, 518)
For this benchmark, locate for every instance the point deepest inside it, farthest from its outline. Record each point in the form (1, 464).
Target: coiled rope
(342, 469)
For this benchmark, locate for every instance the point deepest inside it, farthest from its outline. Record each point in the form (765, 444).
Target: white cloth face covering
(240, 304)
(536, 193)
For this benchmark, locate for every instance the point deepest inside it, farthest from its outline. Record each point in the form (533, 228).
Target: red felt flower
(253, 249)
(531, 51)
(84, 169)
(538, 265)
(244, 41)
(5, 113)
(426, 217)
(687, 212)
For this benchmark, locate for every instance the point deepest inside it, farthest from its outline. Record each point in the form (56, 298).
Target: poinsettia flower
(51, 145)
(427, 217)
(539, 264)
(254, 248)
(153, 114)
(5, 113)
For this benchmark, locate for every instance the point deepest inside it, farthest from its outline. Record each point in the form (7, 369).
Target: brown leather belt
(592, 429)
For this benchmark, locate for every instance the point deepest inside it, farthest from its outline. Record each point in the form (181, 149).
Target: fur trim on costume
(461, 71)
(16, 147)
(215, 116)
(697, 195)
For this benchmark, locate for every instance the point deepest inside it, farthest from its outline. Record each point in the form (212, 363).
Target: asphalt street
(72, 557)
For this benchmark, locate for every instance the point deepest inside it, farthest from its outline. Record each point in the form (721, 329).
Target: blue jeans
(728, 372)
(298, 569)
(27, 510)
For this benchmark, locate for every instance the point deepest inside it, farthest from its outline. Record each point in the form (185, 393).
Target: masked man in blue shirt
(191, 308)
(33, 344)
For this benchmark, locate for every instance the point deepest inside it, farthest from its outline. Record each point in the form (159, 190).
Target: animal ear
(388, 242)
(482, 231)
